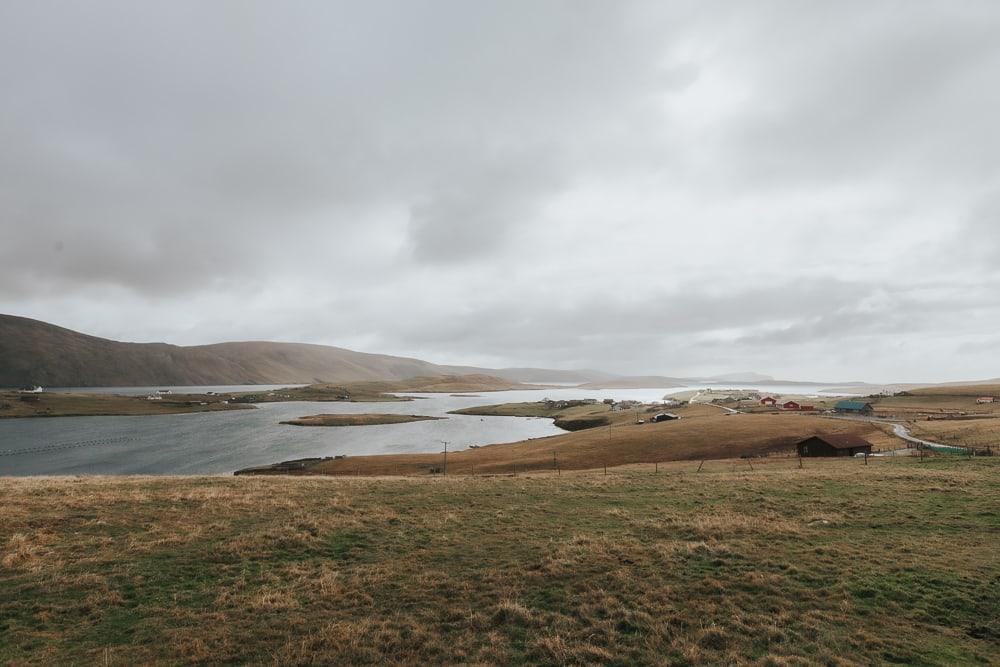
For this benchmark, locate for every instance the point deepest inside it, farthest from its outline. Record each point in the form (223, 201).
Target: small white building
(153, 397)
(984, 399)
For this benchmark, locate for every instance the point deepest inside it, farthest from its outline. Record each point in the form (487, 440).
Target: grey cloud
(640, 186)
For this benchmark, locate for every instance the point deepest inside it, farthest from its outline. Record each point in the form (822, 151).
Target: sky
(807, 190)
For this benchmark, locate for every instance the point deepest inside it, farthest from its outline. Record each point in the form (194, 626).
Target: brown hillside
(33, 352)
(702, 433)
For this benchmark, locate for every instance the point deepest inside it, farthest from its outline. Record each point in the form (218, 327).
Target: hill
(34, 352)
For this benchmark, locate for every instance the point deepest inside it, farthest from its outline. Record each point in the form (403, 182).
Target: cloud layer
(676, 188)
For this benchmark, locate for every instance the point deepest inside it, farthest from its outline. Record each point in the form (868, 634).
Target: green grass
(836, 563)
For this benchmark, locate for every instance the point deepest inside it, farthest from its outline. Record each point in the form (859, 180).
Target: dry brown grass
(938, 400)
(835, 563)
(969, 391)
(968, 433)
(52, 404)
(704, 432)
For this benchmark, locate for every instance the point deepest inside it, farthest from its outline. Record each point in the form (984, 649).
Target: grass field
(835, 563)
(53, 404)
(970, 433)
(703, 432)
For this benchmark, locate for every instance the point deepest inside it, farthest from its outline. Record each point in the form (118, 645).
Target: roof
(851, 405)
(840, 440)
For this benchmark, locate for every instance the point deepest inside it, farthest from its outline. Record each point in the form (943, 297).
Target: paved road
(904, 433)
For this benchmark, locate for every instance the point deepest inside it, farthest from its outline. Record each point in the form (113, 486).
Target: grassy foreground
(836, 563)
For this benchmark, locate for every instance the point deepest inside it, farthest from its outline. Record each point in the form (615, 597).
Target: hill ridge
(36, 352)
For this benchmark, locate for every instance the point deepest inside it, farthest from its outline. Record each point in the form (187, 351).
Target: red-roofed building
(791, 405)
(767, 400)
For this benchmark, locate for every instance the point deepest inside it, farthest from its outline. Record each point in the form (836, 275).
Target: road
(900, 431)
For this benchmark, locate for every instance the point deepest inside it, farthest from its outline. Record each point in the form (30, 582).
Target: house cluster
(625, 405)
(562, 405)
(724, 396)
(771, 402)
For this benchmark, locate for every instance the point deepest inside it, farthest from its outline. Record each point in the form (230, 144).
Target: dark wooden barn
(841, 444)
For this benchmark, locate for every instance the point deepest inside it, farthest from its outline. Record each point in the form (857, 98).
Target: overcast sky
(809, 190)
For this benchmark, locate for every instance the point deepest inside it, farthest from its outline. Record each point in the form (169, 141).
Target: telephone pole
(445, 468)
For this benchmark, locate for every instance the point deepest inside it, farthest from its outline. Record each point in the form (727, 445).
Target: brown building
(842, 444)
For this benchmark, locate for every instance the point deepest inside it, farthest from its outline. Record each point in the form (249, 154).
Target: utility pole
(445, 456)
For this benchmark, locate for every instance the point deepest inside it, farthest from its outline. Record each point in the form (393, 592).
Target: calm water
(221, 442)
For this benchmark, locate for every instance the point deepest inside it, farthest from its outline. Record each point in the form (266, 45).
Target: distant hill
(637, 382)
(34, 352)
(746, 376)
(545, 376)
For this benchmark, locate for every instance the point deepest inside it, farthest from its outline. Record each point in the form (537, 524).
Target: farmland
(55, 404)
(836, 563)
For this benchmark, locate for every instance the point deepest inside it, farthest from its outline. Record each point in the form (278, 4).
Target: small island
(382, 391)
(357, 420)
(567, 415)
